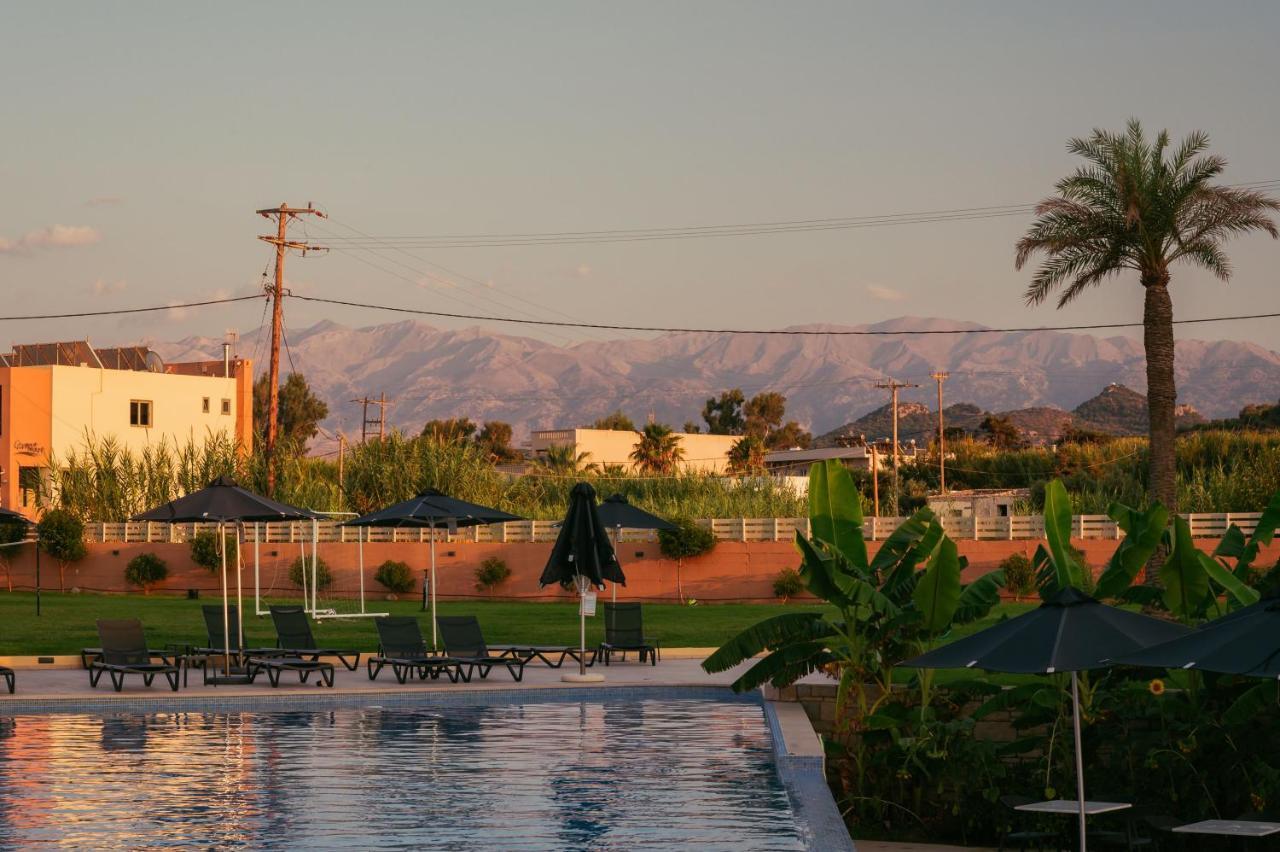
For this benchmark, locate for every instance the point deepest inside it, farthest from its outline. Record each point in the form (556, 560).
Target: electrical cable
(119, 311)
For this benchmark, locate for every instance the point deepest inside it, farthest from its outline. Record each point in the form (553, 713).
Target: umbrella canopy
(8, 516)
(615, 511)
(222, 501)
(1069, 632)
(582, 548)
(433, 508)
(1245, 642)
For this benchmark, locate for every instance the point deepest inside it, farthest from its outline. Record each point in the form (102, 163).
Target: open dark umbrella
(7, 517)
(1244, 642)
(618, 514)
(582, 557)
(434, 510)
(1069, 632)
(223, 501)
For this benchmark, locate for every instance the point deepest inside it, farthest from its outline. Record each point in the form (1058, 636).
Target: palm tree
(747, 455)
(658, 450)
(560, 458)
(1137, 205)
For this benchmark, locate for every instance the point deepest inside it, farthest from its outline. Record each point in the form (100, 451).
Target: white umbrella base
(589, 677)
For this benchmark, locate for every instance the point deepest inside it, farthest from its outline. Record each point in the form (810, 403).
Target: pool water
(624, 774)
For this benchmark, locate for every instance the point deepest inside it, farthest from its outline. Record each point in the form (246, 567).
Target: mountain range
(829, 380)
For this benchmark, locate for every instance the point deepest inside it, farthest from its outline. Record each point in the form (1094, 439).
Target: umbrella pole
(617, 536)
(226, 614)
(37, 573)
(1075, 719)
(434, 643)
(582, 625)
(239, 592)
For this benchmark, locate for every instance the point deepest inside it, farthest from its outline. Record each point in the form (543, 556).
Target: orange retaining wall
(734, 571)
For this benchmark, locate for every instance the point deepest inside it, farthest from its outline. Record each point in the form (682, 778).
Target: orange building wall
(26, 428)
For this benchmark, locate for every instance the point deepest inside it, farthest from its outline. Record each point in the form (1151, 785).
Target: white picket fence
(725, 529)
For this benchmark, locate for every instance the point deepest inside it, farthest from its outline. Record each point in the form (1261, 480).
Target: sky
(140, 138)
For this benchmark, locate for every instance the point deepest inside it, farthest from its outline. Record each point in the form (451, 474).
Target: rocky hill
(430, 372)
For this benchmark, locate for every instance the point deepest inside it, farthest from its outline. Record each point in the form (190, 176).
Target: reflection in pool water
(552, 775)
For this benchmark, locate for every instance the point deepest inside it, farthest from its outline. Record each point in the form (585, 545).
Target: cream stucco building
(53, 397)
(702, 453)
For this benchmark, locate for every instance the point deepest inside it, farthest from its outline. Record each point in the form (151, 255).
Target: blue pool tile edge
(805, 778)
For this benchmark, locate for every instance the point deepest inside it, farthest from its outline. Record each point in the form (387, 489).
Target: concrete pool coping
(798, 750)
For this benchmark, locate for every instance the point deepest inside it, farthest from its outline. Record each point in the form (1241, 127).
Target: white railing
(725, 529)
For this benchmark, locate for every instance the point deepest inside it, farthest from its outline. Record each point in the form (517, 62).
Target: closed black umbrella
(434, 510)
(1069, 632)
(582, 556)
(223, 501)
(616, 514)
(1245, 642)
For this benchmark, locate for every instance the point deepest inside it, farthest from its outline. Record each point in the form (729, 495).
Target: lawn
(67, 622)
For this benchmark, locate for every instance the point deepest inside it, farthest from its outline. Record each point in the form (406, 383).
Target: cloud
(103, 287)
(54, 236)
(885, 294)
(104, 201)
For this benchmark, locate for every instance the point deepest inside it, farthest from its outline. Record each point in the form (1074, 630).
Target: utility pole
(893, 386)
(366, 422)
(342, 447)
(283, 215)
(941, 376)
(875, 483)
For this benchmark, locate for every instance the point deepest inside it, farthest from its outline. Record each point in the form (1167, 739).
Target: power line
(490, 240)
(118, 311)
(848, 332)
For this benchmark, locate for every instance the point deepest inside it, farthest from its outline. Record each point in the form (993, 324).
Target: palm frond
(771, 633)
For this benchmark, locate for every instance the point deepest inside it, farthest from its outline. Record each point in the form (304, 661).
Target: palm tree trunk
(1162, 395)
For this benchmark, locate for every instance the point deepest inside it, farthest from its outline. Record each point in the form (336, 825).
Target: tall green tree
(764, 413)
(451, 430)
(723, 414)
(494, 438)
(1140, 206)
(615, 422)
(300, 410)
(658, 450)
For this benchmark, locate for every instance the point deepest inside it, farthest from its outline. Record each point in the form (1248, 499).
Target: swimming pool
(617, 773)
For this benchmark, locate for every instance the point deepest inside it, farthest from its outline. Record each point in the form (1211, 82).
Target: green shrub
(146, 570)
(787, 584)
(324, 578)
(687, 540)
(491, 573)
(1019, 578)
(396, 576)
(62, 537)
(204, 550)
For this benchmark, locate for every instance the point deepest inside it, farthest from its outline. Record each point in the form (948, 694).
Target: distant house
(54, 395)
(797, 462)
(979, 502)
(702, 453)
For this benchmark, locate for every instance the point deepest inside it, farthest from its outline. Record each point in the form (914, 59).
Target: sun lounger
(294, 638)
(529, 653)
(401, 646)
(273, 666)
(210, 659)
(464, 642)
(125, 652)
(8, 675)
(624, 631)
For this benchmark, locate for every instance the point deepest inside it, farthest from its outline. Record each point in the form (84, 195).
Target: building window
(204, 405)
(29, 486)
(139, 412)
(226, 406)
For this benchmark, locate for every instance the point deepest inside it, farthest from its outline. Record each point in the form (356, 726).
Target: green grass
(67, 623)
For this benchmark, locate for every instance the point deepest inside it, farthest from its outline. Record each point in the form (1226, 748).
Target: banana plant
(888, 607)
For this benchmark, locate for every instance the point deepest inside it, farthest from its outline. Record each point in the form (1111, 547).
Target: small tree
(491, 573)
(1019, 575)
(10, 537)
(687, 540)
(205, 553)
(396, 576)
(62, 537)
(324, 578)
(146, 570)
